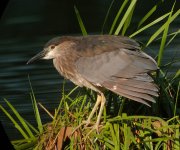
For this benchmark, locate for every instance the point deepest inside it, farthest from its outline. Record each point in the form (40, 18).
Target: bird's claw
(86, 124)
(93, 127)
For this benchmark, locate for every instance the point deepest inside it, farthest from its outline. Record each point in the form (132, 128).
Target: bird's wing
(120, 70)
(97, 44)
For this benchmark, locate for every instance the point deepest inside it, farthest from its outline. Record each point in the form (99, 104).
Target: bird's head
(50, 50)
(55, 47)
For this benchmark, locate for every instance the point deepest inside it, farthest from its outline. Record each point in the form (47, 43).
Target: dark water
(27, 25)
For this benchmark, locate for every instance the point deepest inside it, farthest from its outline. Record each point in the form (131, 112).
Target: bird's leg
(88, 121)
(103, 101)
(98, 101)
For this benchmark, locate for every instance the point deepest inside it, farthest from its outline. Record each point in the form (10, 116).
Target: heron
(103, 62)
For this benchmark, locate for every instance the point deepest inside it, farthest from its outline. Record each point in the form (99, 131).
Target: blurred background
(25, 26)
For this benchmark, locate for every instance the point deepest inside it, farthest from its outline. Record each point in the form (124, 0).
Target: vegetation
(140, 128)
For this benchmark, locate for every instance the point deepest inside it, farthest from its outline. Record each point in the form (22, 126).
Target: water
(25, 27)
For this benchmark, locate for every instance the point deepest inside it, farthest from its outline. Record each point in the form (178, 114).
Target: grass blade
(128, 21)
(17, 126)
(176, 144)
(117, 16)
(162, 28)
(147, 15)
(83, 29)
(36, 111)
(127, 140)
(106, 17)
(174, 35)
(112, 133)
(164, 37)
(125, 17)
(22, 121)
(32, 127)
(149, 25)
(176, 99)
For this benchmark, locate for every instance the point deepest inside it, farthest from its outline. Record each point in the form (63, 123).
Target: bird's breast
(65, 66)
(68, 70)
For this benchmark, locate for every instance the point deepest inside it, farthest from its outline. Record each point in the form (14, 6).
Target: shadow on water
(25, 27)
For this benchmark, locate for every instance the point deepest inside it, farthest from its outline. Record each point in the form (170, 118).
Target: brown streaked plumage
(111, 62)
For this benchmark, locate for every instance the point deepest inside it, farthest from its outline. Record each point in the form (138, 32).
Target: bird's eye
(52, 46)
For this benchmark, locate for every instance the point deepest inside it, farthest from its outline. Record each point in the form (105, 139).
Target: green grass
(124, 124)
(119, 132)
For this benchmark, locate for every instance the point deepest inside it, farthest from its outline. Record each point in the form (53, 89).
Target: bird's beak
(36, 57)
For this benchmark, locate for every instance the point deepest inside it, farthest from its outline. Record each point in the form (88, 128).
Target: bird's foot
(88, 125)
(95, 127)
(91, 125)
(84, 123)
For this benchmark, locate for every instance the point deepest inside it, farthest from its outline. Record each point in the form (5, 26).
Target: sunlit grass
(120, 132)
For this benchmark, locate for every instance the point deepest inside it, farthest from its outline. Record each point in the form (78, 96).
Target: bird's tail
(140, 88)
